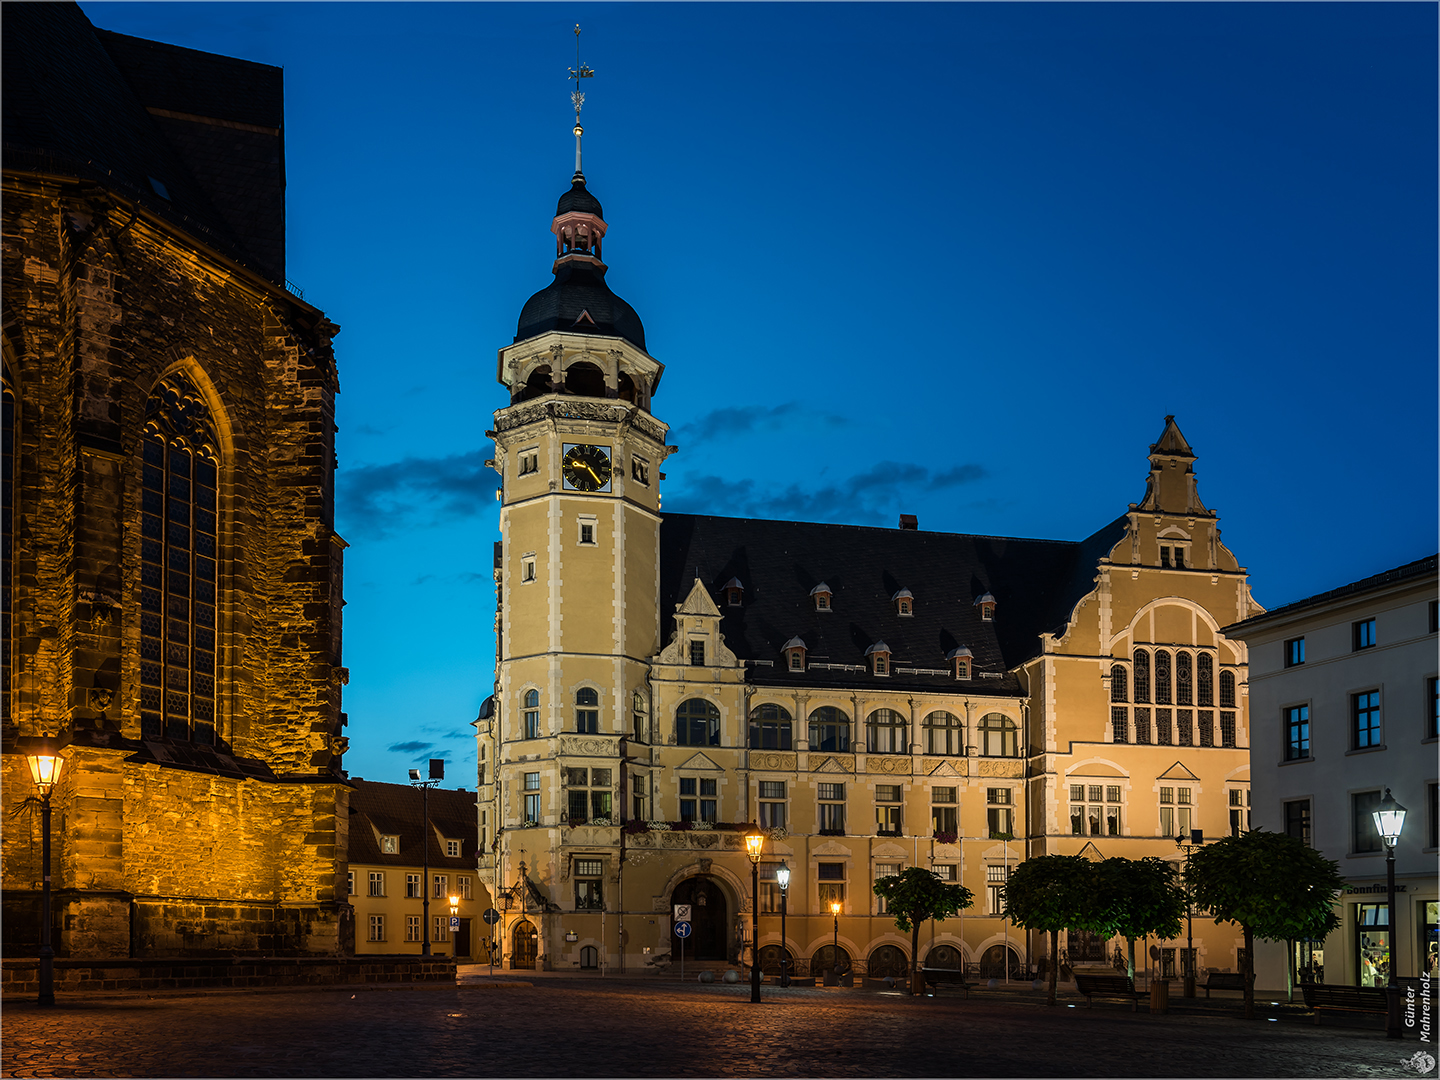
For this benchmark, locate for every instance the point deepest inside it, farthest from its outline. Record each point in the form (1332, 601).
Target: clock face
(586, 467)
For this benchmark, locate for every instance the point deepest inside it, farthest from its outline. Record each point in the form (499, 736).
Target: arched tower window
(587, 711)
(1118, 683)
(1162, 677)
(697, 723)
(886, 732)
(830, 730)
(531, 714)
(585, 380)
(1142, 676)
(178, 542)
(944, 734)
(770, 728)
(639, 713)
(998, 736)
(1205, 682)
(1184, 679)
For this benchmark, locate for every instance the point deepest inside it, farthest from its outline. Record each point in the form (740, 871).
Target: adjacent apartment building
(1344, 704)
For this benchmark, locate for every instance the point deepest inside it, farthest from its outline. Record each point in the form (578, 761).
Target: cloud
(871, 497)
(371, 429)
(375, 501)
(742, 420)
(409, 747)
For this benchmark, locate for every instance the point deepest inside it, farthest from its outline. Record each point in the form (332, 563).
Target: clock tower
(577, 576)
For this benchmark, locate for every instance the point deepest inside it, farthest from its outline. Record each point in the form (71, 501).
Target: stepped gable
(1036, 584)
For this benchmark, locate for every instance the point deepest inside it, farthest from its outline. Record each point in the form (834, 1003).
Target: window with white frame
(589, 879)
(832, 809)
(531, 714)
(377, 883)
(769, 888)
(412, 927)
(527, 568)
(466, 888)
(830, 884)
(999, 812)
(996, 877)
(882, 871)
(887, 809)
(452, 849)
(699, 800)
(442, 886)
(588, 524)
(589, 795)
(1239, 810)
(412, 887)
(442, 928)
(1095, 809)
(377, 928)
(350, 883)
(1175, 811)
(943, 814)
(772, 804)
(532, 796)
(529, 460)
(946, 871)
(390, 845)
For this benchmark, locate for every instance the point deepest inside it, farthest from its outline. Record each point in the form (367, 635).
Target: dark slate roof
(1418, 568)
(396, 810)
(1036, 583)
(200, 83)
(579, 285)
(578, 200)
(70, 110)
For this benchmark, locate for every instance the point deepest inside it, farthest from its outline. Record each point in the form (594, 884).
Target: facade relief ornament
(888, 764)
(835, 765)
(587, 747)
(1001, 767)
(946, 767)
(776, 762)
(177, 411)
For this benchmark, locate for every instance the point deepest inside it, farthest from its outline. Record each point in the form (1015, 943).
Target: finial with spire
(578, 72)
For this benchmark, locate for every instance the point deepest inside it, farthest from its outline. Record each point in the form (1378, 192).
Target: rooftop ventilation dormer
(986, 603)
(879, 657)
(823, 596)
(961, 661)
(904, 602)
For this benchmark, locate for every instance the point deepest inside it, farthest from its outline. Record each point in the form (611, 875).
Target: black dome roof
(579, 286)
(578, 200)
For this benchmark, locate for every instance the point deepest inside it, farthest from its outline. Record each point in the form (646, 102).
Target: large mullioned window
(177, 565)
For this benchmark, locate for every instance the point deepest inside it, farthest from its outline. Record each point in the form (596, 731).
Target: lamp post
(454, 910)
(437, 773)
(754, 843)
(835, 948)
(1389, 820)
(782, 878)
(45, 765)
(1196, 837)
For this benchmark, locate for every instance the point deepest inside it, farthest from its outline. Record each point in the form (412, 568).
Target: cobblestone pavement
(599, 1028)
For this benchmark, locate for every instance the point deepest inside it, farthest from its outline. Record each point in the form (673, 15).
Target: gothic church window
(1184, 682)
(1205, 679)
(697, 723)
(178, 541)
(1162, 677)
(1142, 676)
(1118, 683)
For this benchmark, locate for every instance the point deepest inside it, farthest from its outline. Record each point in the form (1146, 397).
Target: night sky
(951, 260)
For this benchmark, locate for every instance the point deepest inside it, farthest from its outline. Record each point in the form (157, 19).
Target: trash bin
(1160, 996)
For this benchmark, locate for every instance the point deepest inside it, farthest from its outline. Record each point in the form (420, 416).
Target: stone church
(870, 698)
(172, 591)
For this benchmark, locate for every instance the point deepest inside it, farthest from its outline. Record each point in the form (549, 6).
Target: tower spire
(578, 72)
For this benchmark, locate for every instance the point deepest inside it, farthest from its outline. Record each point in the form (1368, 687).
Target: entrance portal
(524, 945)
(709, 920)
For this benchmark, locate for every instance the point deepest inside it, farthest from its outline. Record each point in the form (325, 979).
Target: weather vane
(578, 72)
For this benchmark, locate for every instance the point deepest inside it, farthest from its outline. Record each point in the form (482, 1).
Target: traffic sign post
(491, 917)
(682, 931)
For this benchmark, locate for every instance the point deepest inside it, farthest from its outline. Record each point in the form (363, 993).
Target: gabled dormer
(878, 656)
(822, 596)
(904, 602)
(986, 603)
(961, 662)
(794, 651)
(734, 592)
(697, 641)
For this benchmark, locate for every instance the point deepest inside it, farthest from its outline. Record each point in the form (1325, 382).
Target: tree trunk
(917, 981)
(1249, 974)
(1290, 969)
(1131, 942)
(1054, 964)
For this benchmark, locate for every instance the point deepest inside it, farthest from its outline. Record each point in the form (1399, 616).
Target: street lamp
(782, 878)
(1389, 820)
(437, 773)
(454, 910)
(754, 843)
(1194, 840)
(835, 949)
(45, 764)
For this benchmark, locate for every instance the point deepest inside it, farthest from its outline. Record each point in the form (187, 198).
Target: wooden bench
(1225, 980)
(934, 977)
(1361, 999)
(1118, 986)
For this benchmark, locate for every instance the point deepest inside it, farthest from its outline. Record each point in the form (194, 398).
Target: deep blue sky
(951, 260)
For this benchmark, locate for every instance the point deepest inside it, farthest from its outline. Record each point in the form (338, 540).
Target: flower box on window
(944, 837)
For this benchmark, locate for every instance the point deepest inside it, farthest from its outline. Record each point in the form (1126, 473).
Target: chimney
(909, 521)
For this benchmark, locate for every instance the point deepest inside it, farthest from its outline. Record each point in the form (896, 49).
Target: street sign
(491, 916)
(682, 912)
(455, 924)
(682, 929)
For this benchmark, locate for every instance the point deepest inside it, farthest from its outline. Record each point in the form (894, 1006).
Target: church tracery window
(178, 552)
(1142, 676)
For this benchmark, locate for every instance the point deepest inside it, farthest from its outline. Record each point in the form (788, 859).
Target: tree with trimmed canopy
(1138, 897)
(1051, 893)
(914, 895)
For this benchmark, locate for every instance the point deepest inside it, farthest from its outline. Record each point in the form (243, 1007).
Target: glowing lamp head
(45, 766)
(753, 845)
(1389, 819)
(834, 907)
(782, 877)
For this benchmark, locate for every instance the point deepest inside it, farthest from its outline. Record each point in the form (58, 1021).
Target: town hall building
(869, 698)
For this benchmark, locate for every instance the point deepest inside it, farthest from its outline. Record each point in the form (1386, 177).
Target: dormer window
(879, 657)
(986, 603)
(822, 594)
(961, 659)
(904, 602)
(390, 845)
(734, 592)
(794, 651)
